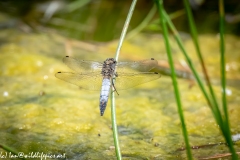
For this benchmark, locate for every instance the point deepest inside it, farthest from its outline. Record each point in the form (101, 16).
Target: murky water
(40, 113)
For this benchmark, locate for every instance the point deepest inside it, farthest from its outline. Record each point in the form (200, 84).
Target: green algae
(43, 114)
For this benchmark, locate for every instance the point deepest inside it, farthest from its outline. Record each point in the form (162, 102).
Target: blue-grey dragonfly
(92, 75)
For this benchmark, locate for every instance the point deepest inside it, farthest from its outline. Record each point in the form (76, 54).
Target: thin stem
(222, 62)
(215, 110)
(76, 5)
(174, 79)
(114, 127)
(195, 39)
(113, 106)
(196, 43)
(143, 24)
(172, 16)
(125, 27)
(223, 79)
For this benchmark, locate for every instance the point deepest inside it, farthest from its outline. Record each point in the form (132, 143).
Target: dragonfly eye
(59, 72)
(107, 62)
(152, 58)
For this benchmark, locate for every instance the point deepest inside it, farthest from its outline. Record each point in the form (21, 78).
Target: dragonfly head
(110, 61)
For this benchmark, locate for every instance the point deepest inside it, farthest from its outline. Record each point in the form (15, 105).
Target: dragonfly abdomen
(104, 95)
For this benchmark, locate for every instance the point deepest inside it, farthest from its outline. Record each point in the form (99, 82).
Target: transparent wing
(88, 81)
(142, 66)
(129, 80)
(82, 65)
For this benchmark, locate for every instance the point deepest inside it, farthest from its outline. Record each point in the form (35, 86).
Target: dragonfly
(101, 76)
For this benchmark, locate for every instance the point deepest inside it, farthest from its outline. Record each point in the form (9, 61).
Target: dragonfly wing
(82, 65)
(142, 66)
(129, 80)
(88, 81)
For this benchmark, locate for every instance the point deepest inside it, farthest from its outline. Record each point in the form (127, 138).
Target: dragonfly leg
(114, 87)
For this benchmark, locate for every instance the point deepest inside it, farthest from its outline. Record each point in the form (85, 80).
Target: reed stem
(200, 57)
(215, 110)
(143, 24)
(125, 27)
(174, 79)
(113, 106)
(223, 80)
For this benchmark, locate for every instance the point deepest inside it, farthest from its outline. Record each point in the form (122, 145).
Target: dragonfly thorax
(108, 68)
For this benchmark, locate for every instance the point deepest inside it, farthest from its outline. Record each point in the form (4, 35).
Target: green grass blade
(223, 79)
(113, 106)
(195, 39)
(76, 5)
(222, 61)
(143, 24)
(174, 79)
(215, 110)
(125, 27)
(196, 43)
(6, 148)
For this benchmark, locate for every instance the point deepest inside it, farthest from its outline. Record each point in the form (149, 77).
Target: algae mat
(41, 114)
